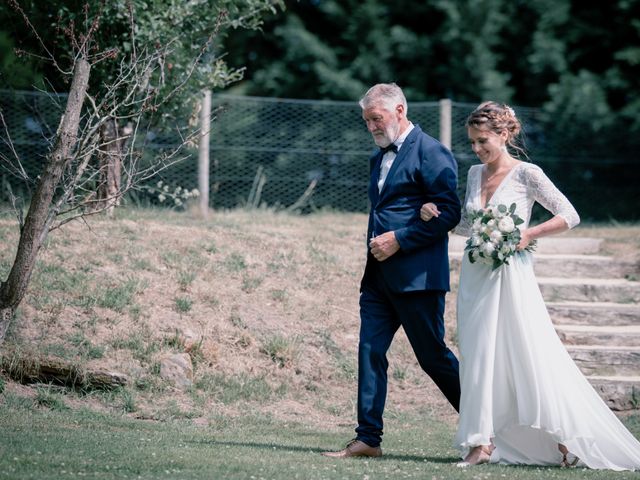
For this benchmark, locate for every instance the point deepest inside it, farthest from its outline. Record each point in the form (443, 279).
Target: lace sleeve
(547, 194)
(464, 227)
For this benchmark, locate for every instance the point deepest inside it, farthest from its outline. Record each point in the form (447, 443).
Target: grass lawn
(43, 443)
(266, 307)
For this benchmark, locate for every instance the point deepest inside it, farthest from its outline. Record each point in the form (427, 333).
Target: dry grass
(265, 297)
(265, 303)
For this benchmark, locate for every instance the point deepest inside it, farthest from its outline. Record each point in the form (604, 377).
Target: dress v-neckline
(498, 188)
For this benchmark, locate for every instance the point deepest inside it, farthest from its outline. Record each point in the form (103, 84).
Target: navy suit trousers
(382, 312)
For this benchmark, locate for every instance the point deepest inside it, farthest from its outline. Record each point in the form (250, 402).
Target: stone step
(572, 266)
(547, 245)
(594, 313)
(586, 266)
(555, 289)
(628, 335)
(620, 393)
(606, 360)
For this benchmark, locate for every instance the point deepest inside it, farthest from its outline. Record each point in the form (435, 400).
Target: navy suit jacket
(423, 171)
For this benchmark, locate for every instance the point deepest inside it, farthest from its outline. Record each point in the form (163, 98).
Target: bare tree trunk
(110, 167)
(38, 219)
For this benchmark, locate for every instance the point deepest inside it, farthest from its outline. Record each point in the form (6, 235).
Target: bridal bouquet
(494, 235)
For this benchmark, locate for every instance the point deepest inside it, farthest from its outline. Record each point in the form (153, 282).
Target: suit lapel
(373, 180)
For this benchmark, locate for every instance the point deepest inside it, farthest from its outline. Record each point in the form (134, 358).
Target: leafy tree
(139, 84)
(15, 72)
(552, 52)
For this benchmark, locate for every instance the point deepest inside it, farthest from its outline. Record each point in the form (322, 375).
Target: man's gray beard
(390, 136)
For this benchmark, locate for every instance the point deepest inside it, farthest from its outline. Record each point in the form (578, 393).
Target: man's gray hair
(385, 95)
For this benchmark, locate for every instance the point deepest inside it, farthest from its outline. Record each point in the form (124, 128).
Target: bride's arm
(548, 195)
(552, 226)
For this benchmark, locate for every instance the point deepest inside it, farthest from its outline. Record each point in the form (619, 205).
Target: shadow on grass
(295, 448)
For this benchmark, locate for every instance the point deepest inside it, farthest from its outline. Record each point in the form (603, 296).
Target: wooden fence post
(203, 153)
(445, 122)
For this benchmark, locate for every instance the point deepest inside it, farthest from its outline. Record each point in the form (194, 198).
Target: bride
(524, 401)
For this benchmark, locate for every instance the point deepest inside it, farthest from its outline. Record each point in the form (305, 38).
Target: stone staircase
(595, 309)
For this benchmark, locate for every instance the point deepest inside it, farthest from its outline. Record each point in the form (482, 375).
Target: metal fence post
(203, 153)
(445, 122)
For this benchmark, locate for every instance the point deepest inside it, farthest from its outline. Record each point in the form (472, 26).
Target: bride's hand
(428, 211)
(525, 240)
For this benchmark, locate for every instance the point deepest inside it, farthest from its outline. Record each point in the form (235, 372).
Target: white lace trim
(543, 191)
(538, 187)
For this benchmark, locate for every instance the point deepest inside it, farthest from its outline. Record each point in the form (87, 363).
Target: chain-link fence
(313, 154)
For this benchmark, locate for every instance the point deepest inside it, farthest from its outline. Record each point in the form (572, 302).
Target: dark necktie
(389, 148)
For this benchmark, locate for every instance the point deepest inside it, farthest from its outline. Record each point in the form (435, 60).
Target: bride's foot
(568, 459)
(477, 456)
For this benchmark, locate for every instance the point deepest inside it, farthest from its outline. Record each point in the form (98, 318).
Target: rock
(177, 369)
(619, 393)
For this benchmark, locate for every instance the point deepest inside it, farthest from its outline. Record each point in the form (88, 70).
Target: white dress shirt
(390, 156)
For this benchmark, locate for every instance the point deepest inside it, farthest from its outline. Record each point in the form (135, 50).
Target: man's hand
(428, 211)
(383, 246)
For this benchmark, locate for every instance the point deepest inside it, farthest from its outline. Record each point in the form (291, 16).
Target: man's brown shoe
(355, 448)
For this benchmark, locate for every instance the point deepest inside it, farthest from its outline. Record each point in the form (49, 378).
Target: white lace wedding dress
(520, 387)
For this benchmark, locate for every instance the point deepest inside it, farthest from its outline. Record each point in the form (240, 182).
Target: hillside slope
(265, 304)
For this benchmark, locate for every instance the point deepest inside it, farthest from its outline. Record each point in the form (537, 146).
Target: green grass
(140, 343)
(283, 351)
(185, 279)
(50, 397)
(250, 284)
(183, 304)
(231, 389)
(120, 296)
(235, 262)
(41, 443)
(85, 347)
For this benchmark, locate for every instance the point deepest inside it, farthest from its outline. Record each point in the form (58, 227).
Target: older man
(407, 271)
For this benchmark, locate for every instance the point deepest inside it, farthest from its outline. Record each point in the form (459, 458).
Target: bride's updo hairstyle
(497, 118)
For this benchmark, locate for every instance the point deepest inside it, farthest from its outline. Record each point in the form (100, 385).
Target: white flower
(507, 249)
(487, 248)
(506, 225)
(495, 236)
(493, 242)
(161, 198)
